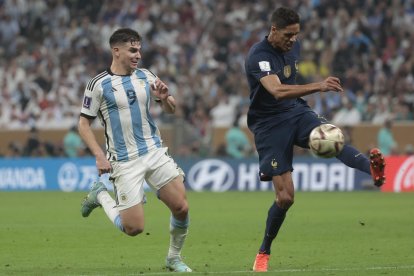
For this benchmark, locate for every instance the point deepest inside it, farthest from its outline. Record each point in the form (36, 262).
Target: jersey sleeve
(262, 64)
(91, 101)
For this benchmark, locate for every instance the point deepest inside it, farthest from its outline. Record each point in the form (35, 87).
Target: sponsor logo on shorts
(274, 164)
(123, 197)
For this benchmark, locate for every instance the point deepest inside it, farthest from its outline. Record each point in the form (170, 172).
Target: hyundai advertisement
(210, 174)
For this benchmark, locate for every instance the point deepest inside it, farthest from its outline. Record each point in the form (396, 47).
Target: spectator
(72, 143)
(223, 113)
(348, 115)
(237, 143)
(386, 141)
(368, 113)
(33, 144)
(382, 113)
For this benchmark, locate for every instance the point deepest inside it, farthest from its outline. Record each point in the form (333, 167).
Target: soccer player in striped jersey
(121, 97)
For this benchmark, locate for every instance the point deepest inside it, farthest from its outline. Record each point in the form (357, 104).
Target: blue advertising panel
(209, 174)
(47, 174)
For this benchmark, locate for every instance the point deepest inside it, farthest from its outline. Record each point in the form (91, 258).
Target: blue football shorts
(275, 142)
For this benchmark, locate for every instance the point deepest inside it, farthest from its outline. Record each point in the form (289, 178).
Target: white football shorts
(157, 168)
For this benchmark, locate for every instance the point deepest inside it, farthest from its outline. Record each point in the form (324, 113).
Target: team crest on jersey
(142, 83)
(87, 102)
(287, 71)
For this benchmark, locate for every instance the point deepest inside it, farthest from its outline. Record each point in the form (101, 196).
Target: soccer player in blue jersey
(279, 119)
(121, 97)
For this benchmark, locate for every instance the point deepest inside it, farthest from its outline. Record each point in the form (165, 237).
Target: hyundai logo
(211, 173)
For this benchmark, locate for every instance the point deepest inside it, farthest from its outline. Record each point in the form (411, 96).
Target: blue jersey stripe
(151, 122)
(113, 111)
(136, 117)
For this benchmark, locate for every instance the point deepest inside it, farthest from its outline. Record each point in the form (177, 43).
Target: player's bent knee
(181, 210)
(133, 231)
(285, 202)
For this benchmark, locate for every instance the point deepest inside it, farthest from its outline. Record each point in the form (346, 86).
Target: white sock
(109, 205)
(177, 238)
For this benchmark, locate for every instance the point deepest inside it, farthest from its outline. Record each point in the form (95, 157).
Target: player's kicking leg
(91, 200)
(374, 165)
(99, 196)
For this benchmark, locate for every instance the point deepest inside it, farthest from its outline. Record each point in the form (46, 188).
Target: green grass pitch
(355, 233)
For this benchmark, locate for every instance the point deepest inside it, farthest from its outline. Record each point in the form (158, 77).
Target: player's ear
(115, 51)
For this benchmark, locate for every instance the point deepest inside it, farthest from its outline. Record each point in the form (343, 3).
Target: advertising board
(208, 174)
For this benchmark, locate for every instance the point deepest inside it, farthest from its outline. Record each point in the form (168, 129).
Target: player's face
(129, 55)
(283, 39)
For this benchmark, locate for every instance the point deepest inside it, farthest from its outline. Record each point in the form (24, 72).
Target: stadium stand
(50, 49)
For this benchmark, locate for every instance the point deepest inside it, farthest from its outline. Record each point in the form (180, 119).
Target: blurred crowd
(50, 49)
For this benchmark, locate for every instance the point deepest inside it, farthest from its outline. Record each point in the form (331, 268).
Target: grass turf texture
(358, 233)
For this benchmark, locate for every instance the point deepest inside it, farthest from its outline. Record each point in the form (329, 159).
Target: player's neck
(116, 69)
(273, 44)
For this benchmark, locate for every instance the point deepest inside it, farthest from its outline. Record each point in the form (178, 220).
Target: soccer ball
(326, 141)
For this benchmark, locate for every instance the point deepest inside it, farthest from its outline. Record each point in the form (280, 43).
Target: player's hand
(103, 165)
(160, 89)
(331, 84)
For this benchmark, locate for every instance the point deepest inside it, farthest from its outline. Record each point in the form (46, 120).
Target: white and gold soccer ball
(326, 141)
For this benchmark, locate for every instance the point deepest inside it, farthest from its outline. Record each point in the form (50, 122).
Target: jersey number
(132, 97)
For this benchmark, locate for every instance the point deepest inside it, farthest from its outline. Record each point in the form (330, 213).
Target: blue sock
(275, 218)
(351, 157)
(118, 223)
(175, 223)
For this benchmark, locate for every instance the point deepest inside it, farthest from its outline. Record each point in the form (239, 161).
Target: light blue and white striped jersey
(122, 104)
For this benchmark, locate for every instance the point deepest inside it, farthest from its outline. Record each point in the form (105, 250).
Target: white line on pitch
(293, 270)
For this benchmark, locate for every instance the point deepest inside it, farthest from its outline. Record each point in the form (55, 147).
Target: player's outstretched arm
(285, 91)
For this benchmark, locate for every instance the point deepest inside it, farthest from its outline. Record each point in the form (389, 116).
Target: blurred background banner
(400, 174)
(204, 174)
(47, 174)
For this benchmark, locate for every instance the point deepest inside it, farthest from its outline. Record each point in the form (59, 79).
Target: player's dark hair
(124, 35)
(283, 17)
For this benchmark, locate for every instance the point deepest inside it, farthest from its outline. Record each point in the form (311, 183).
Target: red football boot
(260, 263)
(377, 165)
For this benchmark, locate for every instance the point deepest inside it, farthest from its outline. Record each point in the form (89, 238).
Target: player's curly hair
(124, 35)
(283, 17)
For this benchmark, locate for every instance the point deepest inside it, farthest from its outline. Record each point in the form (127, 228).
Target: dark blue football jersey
(263, 60)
